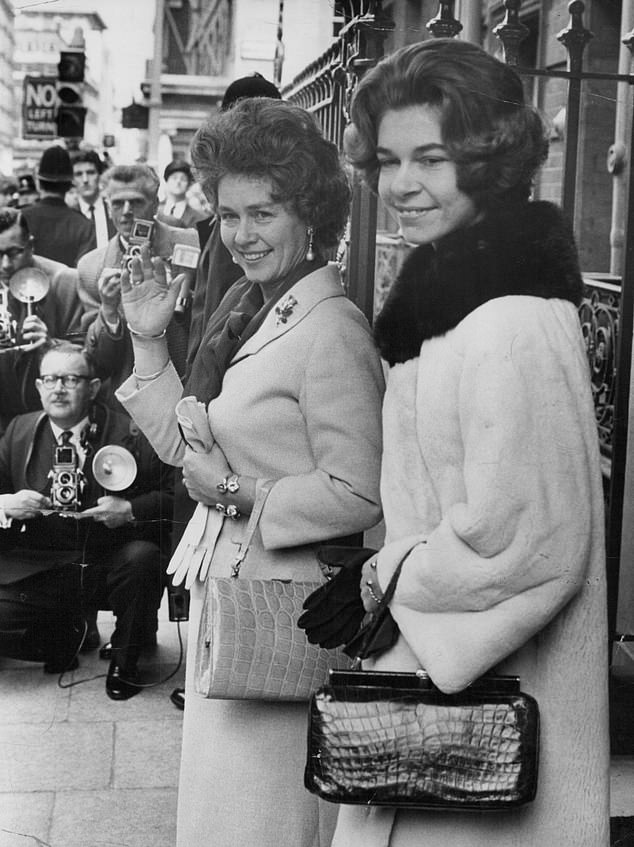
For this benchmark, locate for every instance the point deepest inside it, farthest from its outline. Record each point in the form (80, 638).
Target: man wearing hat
(59, 232)
(27, 190)
(175, 210)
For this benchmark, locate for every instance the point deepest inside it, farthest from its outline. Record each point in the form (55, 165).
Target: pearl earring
(310, 253)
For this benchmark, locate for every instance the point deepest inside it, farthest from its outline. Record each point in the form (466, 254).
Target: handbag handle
(254, 519)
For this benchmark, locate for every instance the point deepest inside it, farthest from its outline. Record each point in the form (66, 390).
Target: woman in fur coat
(490, 481)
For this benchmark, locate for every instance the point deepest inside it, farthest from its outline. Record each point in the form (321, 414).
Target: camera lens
(65, 494)
(65, 478)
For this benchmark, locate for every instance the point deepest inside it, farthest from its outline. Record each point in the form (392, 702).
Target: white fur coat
(491, 489)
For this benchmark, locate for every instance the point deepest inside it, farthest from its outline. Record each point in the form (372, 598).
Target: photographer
(64, 551)
(131, 193)
(25, 328)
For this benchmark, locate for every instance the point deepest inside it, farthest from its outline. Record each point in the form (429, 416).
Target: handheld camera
(8, 324)
(67, 479)
(140, 235)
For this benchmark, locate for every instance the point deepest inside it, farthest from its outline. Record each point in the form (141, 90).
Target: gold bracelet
(138, 334)
(150, 377)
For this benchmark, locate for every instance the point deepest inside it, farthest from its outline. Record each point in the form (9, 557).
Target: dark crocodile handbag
(394, 739)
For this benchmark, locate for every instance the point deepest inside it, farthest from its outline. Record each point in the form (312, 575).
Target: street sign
(39, 107)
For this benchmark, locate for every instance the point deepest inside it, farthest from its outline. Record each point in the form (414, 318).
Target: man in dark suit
(56, 315)
(66, 548)
(176, 210)
(87, 170)
(59, 232)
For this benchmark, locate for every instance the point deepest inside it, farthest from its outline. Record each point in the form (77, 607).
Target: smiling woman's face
(267, 239)
(417, 178)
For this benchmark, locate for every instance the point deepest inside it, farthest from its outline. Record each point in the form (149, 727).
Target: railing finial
(511, 32)
(444, 25)
(575, 36)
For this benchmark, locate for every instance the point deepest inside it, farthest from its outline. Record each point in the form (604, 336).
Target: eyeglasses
(12, 253)
(68, 380)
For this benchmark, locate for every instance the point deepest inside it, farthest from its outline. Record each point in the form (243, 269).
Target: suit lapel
(293, 307)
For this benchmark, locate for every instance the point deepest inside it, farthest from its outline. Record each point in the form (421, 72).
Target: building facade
(7, 105)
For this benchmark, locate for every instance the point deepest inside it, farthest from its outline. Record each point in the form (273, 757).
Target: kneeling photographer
(66, 543)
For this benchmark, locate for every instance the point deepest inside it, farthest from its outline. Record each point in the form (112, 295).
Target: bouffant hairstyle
(496, 140)
(143, 174)
(270, 139)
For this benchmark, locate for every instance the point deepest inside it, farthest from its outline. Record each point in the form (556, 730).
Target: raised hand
(109, 286)
(149, 294)
(34, 332)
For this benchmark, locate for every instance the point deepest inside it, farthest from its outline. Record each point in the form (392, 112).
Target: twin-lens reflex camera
(184, 257)
(67, 479)
(113, 467)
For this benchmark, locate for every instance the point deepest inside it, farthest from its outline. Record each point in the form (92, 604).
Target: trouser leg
(40, 616)
(134, 584)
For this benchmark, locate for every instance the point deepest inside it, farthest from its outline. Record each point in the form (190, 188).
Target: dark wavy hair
(143, 174)
(271, 139)
(497, 141)
(9, 217)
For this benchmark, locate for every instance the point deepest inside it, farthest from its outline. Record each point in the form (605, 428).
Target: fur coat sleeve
(516, 515)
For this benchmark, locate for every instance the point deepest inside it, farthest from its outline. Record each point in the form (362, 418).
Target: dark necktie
(65, 438)
(91, 209)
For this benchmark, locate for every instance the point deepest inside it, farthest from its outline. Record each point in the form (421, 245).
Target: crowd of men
(72, 541)
(69, 546)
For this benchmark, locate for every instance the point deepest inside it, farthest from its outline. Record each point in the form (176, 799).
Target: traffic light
(71, 113)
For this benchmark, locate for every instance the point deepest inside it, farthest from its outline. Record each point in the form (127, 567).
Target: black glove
(334, 612)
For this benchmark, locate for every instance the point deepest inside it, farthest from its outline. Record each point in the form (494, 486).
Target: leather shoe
(149, 645)
(61, 665)
(120, 683)
(178, 698)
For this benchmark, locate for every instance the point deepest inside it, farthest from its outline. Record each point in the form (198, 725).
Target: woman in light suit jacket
(293, 387)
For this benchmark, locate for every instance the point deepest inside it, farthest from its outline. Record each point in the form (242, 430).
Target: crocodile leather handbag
(249, 645)
(394, 739)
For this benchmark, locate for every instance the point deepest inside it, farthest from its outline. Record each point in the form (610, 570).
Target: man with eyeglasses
(56, 315)
(131, 193)
(107, 551)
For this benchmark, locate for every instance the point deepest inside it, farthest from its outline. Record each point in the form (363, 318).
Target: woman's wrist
(151, 357)
(372, 582)
(235, 495)
(146, 336)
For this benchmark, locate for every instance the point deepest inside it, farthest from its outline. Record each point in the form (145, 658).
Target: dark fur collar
(526, 250)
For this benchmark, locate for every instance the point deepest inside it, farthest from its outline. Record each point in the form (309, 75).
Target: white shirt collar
(76, 430)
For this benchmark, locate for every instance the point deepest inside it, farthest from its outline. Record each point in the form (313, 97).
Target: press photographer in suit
(64, 551)
(131, 193)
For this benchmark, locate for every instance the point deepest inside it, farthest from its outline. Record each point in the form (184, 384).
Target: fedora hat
(55, 165)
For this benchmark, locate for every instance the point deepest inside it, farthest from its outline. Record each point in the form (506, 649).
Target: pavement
(80, 770)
